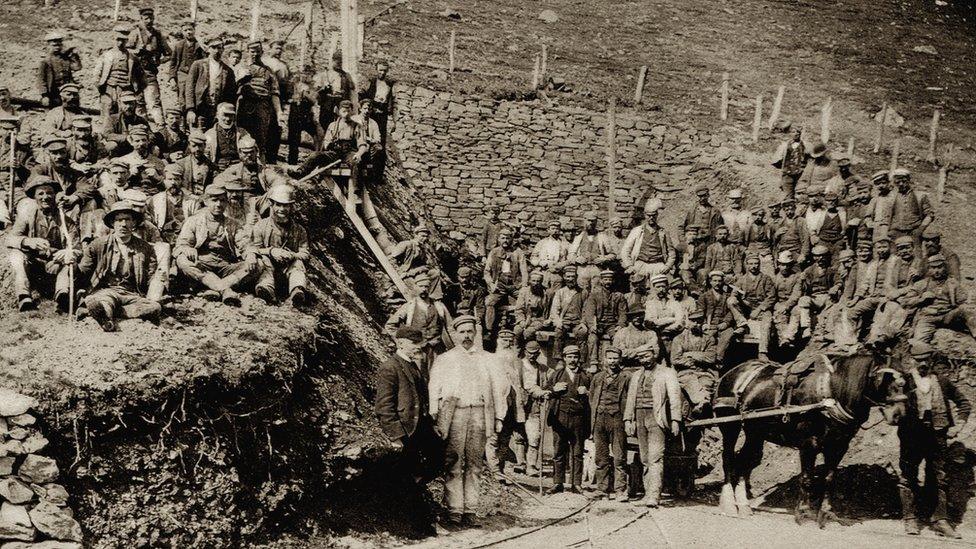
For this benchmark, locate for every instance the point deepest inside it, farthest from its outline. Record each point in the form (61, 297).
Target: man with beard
(117, 126)
(416, 257)
(530, 308)
(820, 169)
(680, 295)
(638, 294)
(648, 249)
(259, 103)
(506, 270)
(281, 245)
(403, 410)
(791, 158)
(74, 188)
(723, 254)
(223, 138)
(210, 84)
(85, 149)
(752, 299)
(923, 434)
(250, 173)
(693, 357)
(792, 235)
(939, 302)
(815, 213)
(906, 267)
(604, 312)
(608, 399)
(186, 51)
(589, 251)
(569, 415)
(759, 239)
(171, 138)
(119, 267)
(549, 253)
(505, 369)
(56, 70)
(169, 208)
(38, 247)
(59, 118)
(652, 411)
(208, 249)
(145, 167)
(344, 140)
(736, 218)
(566, 311)
(633, 339)
(198, 171)
(663, 314)
(462, 403)
(703, 215)
(428, 315)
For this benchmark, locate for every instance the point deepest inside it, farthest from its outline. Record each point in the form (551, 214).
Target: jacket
(95, 261)
(370, 94)
(104, 66)
(184, 55)
(55, 71)
(557, 401)
(401, 396)
(404, 316)
(33, 226)
(666, 392)
(596, 392)
(198, 85)
(194, 235)
(506, 371)
(211, 144)
(160, 209)
(632, 246)
(189, 184)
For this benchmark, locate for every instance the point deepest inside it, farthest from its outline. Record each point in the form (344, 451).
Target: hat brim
(109, 218)
(32, 189)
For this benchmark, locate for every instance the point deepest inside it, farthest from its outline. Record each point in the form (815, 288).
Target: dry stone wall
(539, 162)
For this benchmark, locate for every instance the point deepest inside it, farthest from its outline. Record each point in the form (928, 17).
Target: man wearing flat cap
(59, 118)
(75, 188)
(703, 215)
(648, 249)
(209, 249)
(820, 288)
(938, 302)
(344, 140)
(416, 257)
(56, 69)
(198, 171)
(589, 251)
(693, 357)
(281, 244)
(116, 126)
(223, 138)
(877, 214)
(608, 399)
(752, 300)
(923, 434)
(569, 416)
(759, 239)
(505, 368)
(614, 236)
(604, 312)
(428, 315)
(462, 403)
(210, 83)
(566, 311)
(723, 254)
(259, 103)
(119, 268)
(145, 165)
(663, 314)
(171, 137)
(788, 283)
(118, 70)
(549, 253)
(792, 234)
(38, 247)
(735, 217)
(530, 308)
(186, 51)
(250, 172)
(403, 410)
(536, 379)
(171, 207)
(719, 320)
(912, 210)
(151, 48)
(471, 295)
(506, 270)
(85, 149)
(633, 339)
(337, 87)
(932, 245)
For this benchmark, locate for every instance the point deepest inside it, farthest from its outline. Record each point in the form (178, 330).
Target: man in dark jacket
(923, 434)
(56, 70)
(185, 52)
(200, 97)
(118, 267)
(380, 93)
(569, 416)
(608, 398)
(402, 407)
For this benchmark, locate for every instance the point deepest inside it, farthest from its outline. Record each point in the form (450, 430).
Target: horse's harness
(832, 407)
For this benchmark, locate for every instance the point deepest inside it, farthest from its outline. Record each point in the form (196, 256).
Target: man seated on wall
(344, 140)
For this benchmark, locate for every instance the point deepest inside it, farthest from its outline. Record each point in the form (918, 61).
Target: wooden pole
(944, 174)
(639, 92)
(193, 10)
(115, 14)
(255, 19)
(850, 148)
(777, 105)
(724, 114)
(825, 114)
(306, 38)
(757, 120)
(361, 35)
(934, 134)
(450, 52)
(544, 67)
(535, 73)
(881, 126)
(612, 157)
(894, 157)
(13, 174)
(349, 15)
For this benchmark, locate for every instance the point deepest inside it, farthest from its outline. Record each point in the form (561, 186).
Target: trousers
(609, 440)
(759, 326)
(650, 438)
(464, 459)
(213, 272)
(533, 435)
(34, 273)
(958, 319)
(498, 443)
(569, 434)
(122, 303)
(920, 442)
(272, 276)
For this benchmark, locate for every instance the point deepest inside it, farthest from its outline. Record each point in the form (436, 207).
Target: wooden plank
(612, 158)
(825, 115)
(361, 35)
(255, 19)
(639, 92)
(724, 112)
(757, 119)
(777, 105)
(934, 134)
(881, 126)
(450, 52)
(535, 73)
(745, 416)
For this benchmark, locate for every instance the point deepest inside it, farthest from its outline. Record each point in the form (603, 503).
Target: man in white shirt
(506, 372)
(549, 254)
(462, 403)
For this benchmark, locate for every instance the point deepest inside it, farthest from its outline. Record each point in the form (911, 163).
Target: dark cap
(410, 333)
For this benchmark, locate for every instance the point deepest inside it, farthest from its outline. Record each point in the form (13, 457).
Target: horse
(852, 383)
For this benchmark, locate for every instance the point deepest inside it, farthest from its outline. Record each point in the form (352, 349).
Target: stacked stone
(539, 162)
(34, 512)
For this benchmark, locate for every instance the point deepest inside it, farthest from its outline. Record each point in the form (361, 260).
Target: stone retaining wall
(538, 162)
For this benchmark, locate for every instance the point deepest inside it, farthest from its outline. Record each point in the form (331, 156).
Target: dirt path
(623, 525)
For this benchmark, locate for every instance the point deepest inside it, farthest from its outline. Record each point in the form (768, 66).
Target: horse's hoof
(742, 500)
(802, 515)
(726, 501)
(823, 517)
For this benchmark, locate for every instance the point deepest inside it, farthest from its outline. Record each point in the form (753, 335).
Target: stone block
(38, 469)
(15, 404)
(55, 493)
(23, 420)
(55, 522)
(15, 523)
(15, 491)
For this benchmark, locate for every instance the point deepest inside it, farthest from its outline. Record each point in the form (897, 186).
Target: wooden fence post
(450, 52)
(850, 148)
(193, 10)
(118, 6)
(544, 67)
(934, 134)
(757, 120)
(724, 114)
(306, 38)
(777, 105)
(895, 146)
(361, 34)
(535, 72)
(255, 19)
(639, 93)
(825, 113)
(881, 126)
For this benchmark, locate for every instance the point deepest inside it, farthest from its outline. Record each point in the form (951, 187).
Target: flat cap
(735, 193)
(226, 108)
(144, 10)
(553, 223)
(636, 309)
(716, 273)
(659, 279)
(820, 249)
(506, 333)
(345, 104)
(53, 36)
(197, 136)
(254, 44)
(215, 191)
(611, 351)
(931, 233)
(652, 205)
(784, 257)
(54, 142)
(461, 320)
(409, 333)
(637, 277)
(937, 259)
(533, 346)
(571, 350)
(81, 122)
(175, 169)
(678, 283)
(607, 273)
(139, 130)
(901, 172)
(214, 41)
(464, 271)
(246, 143)
(903, 240)
(569, 269)
(846, 253)
(69, 86)
(880, 176)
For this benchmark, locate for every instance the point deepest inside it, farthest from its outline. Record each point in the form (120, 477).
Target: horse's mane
(851, 372)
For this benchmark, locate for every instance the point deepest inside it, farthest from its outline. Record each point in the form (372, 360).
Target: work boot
(556, 489)
(100, 315)
(230, 298)
(519, 468)
(298, 298)
(470, 520)
(62, 303)
(943, 528)
(911, 527)
(26, 304)
(266, 294)
(574, 489)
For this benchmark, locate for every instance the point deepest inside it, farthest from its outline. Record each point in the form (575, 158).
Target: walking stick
(544, 413)
(71, 267)
(13, 173)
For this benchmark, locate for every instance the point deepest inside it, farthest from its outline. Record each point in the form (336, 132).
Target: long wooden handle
(13, 173)
(71, 268)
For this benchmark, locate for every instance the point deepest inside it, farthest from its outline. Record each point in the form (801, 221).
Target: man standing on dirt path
(536, 381)
(510, 397)
(462, 403)
(208, 249)
(120, 266)
(402, 407)
(259, 105)
(186, 51)
(608, 396)
(151, 48)
(791, 159)
(569, 416)
(653, 410)
(118, 71)
(923, 434)
(56, 70)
